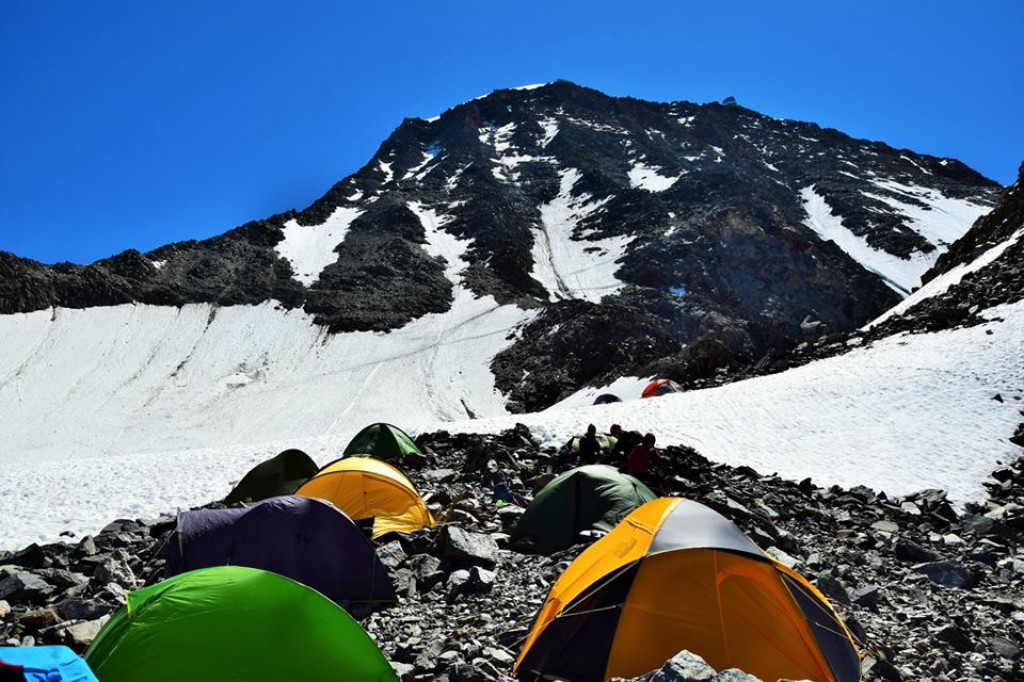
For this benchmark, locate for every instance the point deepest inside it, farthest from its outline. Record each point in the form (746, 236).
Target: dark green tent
(592, 497)
(383, 441)
(279, 475)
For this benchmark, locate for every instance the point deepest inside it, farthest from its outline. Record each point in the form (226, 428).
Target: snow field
(904, 414)
(153, 423)
(128, 410)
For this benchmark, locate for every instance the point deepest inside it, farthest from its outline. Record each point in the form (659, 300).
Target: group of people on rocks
(631, 452)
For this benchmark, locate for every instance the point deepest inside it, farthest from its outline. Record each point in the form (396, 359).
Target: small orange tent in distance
(364, 488)
(676, 575)
(661, 387)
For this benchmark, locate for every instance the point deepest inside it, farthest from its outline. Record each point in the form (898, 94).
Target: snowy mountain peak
(717, 225)
(498, 259)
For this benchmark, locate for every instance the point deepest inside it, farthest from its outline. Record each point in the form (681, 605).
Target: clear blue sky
(133, 124)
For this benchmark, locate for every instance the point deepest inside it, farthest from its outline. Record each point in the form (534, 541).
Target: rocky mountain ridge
(981, 270)
(713, 224)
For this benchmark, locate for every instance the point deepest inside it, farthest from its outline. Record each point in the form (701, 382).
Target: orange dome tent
(365, 488)
(661, 387)
(676, 575)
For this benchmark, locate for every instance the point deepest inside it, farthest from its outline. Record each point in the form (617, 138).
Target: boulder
(466, 547)
(22, 586)
(80, 635)
(950, 574)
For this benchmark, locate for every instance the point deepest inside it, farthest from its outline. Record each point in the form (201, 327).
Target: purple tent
(308, 540)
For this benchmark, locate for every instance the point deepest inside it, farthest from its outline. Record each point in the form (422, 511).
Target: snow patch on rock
(900, 274)
(939, 285)
(941, 221)
(310, 248)
(571, 265)
(649, 178)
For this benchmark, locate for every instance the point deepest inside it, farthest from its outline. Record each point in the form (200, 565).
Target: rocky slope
(930, 591)
(981, 270)
(713, 223)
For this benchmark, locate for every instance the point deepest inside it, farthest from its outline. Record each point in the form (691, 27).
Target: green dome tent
(383, 441)
(229, 624)
(606, 442)
(592, 497)
(279, 475)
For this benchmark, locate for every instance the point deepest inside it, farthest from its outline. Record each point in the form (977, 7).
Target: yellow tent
(676, 575)
(364, 488)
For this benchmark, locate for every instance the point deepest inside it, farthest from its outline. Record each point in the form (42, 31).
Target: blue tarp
(308, 540)
(46, 664)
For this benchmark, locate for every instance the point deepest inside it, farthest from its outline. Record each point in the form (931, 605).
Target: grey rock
(82, 609)
(684, 667)
(480, 579)
(866, 595)
(500, 656)
(392, 555)
(735, 675)
(783, 558)
(87, 546)
(832, 588)
(950, 574)
(1005, 647)
(885, 526)
(39, 618)
(80, 635)
(878, 669)
(907, 550)
(955, 637)
(467, 547)
(405, 582)
(115, 571)
(26, 587)
(464, 672)
(62, 578)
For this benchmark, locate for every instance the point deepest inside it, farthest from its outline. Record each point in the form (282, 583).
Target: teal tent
(383, 441)
(279, 475)
(592, 497)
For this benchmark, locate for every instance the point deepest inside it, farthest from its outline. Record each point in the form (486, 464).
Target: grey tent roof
(691, 525)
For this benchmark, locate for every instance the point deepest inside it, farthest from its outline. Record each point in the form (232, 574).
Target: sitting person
(642, 458)
(590, 447)
(625, 441)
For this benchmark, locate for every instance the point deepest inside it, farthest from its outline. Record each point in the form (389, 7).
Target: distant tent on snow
(43, 664)
(234, 623)
(661, 387)
(384, 441)
(279, 475)
(606, 398)
(310, 541)
(365, 488)
(592, 497)
(677, 575)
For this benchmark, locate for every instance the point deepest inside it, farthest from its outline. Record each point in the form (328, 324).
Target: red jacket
(641, 458)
